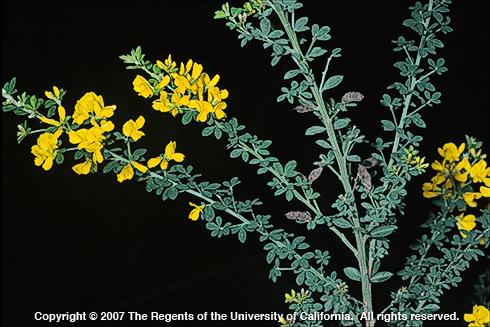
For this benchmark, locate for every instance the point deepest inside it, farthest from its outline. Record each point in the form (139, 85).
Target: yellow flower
(485, 191)
(50, 94)
(479, 317)
(91, 103)
(430, 190)
(437, 166)
(142, 86)
(470, 198)
(479, 171)
(290, 298)
(83, 168)
(91, 139)
(218, 110)
(162, 104)
(169, 155)
(53, 122)
(181, 83)
(204, 108)
(131, 128)
(196, 212)
(45, 149)
(127, 172)
(217, 94)
(466, 223)
(450, 152)
(169, 65)
(164, 82)
(196, 71)
(185, 69)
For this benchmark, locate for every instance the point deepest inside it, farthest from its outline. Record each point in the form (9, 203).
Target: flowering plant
(363, 216)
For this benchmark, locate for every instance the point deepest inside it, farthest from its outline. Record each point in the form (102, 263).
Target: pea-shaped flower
(142, 86)
(169, 155)
(131, 128)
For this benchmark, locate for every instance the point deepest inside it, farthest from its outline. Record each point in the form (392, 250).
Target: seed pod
(299, 216)
(365, 178)
(314, 174)
(352, 97)
(302, 109)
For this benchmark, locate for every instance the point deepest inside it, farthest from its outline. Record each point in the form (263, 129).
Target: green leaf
(332, 82)
(265, 26)
(171, 193)
(341, 123)
(208, 131)
(382, 231)
(236, 153)
(323, 144)
(186, 118)
(382, 276)
(388, 125)
(242, 235)
(292, 73)
(59, 158)
(352, 273)
(417, 120)
(323, 34)
(342, 223)
(219, 14)
(300, 25)
(290, 166)
(314, 130)
(353, 158)
(316, 52)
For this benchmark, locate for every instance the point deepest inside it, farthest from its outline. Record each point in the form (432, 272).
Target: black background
(87, 243)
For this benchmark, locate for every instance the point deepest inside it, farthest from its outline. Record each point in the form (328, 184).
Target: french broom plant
(364, 215)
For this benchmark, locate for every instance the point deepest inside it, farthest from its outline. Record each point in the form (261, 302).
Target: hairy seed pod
(352, 97)
(302, 109)
(364, 177)
(314, 174)
(299, 216)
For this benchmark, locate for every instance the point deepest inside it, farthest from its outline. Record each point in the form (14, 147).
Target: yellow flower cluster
(88, 108)
(45, 149)
(91, 107)
(455, 172)
(412, 158)
(480, 317)
(458, 172)
(186, 88)
(88, 128)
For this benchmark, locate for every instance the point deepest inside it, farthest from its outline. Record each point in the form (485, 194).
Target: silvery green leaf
(315, 130)
(332, 82)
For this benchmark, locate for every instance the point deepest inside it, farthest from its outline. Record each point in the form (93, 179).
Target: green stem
(408, 98)
(341, 162)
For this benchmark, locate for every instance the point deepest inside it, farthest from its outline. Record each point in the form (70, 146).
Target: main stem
(344, 176)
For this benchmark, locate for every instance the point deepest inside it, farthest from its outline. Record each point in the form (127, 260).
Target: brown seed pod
(364, 177)
(314, 174)
(299, 216)
(302, 109)
(352, 97)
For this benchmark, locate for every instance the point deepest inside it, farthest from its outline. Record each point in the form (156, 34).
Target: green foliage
(364, 215)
